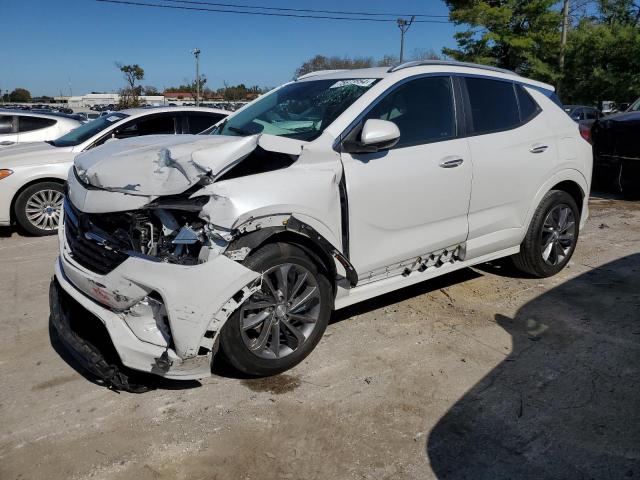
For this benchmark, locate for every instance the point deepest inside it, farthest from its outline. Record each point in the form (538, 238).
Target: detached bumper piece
(89, 343)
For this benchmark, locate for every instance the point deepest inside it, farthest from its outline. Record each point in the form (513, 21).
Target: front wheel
(280, 324)
(37, 208)
(552, 236)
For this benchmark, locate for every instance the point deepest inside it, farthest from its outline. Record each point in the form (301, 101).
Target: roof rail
(449, 63)
(319, 72)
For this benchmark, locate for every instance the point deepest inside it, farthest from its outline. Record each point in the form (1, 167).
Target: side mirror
(376, 135)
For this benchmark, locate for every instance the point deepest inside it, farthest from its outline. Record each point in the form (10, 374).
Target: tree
(20, 95)
(520, 35)
(129, 96)
(320, 62)
(603, 59)
(150, 90)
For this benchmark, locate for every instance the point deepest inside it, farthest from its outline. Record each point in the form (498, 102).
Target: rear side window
(28, 124)
(199, 123)
(6, 124)
(494, 106)
(423, 110)
(528, 106)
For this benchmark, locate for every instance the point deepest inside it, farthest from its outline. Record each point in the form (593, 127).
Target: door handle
(451, 163)
(538, 148)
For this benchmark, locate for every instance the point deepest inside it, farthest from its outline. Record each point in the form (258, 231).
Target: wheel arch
(571, 181)
(573, 189)
(298, 233)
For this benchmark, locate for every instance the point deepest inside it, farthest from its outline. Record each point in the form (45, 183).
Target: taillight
(585, 132)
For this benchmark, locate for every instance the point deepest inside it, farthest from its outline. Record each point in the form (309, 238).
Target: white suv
(330, 190)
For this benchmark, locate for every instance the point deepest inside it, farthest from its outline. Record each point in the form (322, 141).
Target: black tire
(530, 258)
(21, 214)
(232, 343)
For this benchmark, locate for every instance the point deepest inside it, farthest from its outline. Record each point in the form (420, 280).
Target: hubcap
(43, 209)
(558, 234)
(277, 320)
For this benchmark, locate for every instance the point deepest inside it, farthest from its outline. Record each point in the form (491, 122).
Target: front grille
(87, 251)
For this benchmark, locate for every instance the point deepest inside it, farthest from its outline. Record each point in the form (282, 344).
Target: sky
(63, 46)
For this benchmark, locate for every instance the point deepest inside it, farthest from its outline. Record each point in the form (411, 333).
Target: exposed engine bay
(174, 236)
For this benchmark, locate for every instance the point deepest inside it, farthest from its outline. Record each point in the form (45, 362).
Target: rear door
(513, 151)
(412, 199)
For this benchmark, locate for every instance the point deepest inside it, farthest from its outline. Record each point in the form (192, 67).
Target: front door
(414, 198)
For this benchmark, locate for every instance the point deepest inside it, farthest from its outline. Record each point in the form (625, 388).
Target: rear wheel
(37, 208)
(552, 236)
(279, 325)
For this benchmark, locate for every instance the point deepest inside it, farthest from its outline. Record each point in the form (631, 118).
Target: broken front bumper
(160, 318)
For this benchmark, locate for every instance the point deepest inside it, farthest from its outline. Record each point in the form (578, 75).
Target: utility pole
(563, 39)
(196, 53)
(404, 26)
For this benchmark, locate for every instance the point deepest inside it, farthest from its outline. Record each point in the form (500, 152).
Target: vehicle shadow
(566, 402)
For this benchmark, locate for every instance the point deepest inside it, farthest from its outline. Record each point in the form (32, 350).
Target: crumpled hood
(34, 153)
(157, 165)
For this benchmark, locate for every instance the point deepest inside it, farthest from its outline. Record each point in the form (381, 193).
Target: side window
(199, 123)
(423, 110)
(28, 124)
(156, 125)
(493, 105)
(528, 106)
(6, 124)
(577, 114)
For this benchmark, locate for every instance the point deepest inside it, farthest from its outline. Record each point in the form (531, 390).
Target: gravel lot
(479, 374)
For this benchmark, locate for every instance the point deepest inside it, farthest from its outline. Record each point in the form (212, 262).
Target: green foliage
(520, 35)
(20, 95)
(602, 63)
(321, 62)
(602, 56)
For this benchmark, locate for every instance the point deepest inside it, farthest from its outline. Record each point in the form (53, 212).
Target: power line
(306, 10)
(269, 14)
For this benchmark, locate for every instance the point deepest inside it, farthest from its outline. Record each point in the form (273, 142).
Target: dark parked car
(583, 114)
(616, 147)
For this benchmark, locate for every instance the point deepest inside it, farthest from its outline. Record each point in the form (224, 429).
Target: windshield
(88, 130)
(635, 107)
(300, 110)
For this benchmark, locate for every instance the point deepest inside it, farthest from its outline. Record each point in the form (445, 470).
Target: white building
(91, 99)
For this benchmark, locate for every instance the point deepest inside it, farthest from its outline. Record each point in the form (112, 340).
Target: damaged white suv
(330, 190)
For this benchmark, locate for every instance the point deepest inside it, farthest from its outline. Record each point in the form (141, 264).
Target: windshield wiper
(51, 142)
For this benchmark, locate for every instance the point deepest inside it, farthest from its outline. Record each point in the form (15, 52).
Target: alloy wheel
(280, 317)
(43, 209)
(558, 234)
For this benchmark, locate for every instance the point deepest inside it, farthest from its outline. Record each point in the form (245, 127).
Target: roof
(142, 111)
(51, 115)
(423, 66)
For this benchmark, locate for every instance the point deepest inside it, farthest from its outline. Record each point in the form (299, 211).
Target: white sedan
(18, 126)
(32, 175)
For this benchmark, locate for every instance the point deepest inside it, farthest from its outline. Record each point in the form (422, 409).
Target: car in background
(583, 114)
(32, 176)
(19, 126)
(616, 149)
